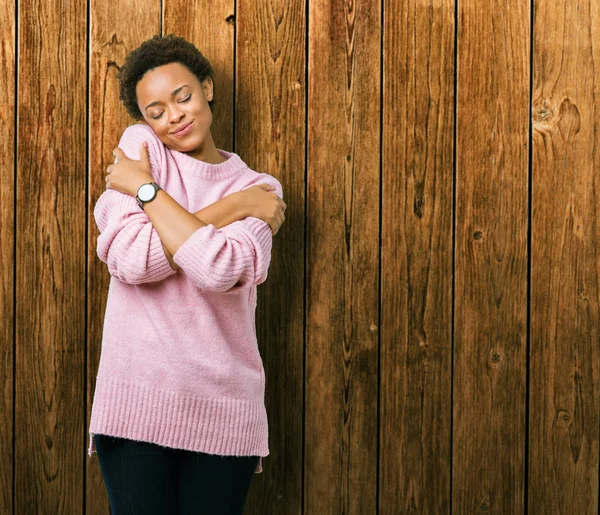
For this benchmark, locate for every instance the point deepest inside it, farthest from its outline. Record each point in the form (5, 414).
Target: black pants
(146, 479)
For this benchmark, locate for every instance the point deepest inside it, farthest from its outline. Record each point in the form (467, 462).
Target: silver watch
(146, 193)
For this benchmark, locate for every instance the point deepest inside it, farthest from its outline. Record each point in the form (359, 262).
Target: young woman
(178, 417)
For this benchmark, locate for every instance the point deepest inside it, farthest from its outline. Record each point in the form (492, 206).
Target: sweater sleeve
(233, 257)
(128, 243)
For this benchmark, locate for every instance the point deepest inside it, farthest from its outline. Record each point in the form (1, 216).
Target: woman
(178, 417)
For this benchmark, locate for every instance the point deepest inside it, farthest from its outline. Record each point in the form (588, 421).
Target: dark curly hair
(155, 52)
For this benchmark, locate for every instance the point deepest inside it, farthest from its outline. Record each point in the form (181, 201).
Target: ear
(207, 86)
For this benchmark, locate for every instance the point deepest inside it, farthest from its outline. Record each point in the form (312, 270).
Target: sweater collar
(208, 171)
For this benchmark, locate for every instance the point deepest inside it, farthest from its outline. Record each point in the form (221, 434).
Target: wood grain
(50, 273)
(563, 443)
(416, 258)
(342, 257)
(490, 304)
(447, 443)
(210, 26)
(112, 38)
(269, 136)
(7, 260)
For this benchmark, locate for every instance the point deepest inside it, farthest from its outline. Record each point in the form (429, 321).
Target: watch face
(146, 192)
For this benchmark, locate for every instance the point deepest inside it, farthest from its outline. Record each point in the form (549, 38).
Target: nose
(176, 115)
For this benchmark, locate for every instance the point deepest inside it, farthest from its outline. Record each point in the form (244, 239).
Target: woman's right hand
(260, 202)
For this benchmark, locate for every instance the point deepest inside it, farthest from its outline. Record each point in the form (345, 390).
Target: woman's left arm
(215, 259)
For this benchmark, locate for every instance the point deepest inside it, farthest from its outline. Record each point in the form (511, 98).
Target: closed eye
(186, 99)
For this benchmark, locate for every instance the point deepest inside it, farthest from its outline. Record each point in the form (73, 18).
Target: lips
(183, 130)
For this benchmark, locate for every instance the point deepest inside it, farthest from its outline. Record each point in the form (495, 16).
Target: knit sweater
(179, 364)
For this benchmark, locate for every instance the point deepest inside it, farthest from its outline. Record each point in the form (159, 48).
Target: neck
(207, 152)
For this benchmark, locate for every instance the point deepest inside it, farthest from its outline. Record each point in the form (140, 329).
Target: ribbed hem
(201, 256)
(157, 266)
(229, 427)
(261, 231)
(141, 257)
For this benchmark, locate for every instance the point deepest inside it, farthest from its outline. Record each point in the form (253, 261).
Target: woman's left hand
(127, 175)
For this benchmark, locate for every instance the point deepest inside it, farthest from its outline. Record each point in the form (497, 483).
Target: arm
(223, 212)
(231, 258)
(127, 242)
(216, 260)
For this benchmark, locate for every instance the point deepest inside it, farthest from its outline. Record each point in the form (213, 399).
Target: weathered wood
(50, 273)
(269, 136)
(210, 26)
(416, 258)
(112, 38)
(343, 257)
(563, 440)
(7, 261)
(490, 301)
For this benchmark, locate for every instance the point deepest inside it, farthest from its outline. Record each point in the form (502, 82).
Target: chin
(192, 142)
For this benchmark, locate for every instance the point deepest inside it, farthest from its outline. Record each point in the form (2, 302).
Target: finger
(266, 187)
(272, 225)
(144, 156)
(109, 168)
(282, 204)
(279, 220)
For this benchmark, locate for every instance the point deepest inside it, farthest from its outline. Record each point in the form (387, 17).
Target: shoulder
(138, 133)
(132, 139)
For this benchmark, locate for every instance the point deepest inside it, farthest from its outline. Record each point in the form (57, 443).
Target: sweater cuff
(213, 261)
(155, 266)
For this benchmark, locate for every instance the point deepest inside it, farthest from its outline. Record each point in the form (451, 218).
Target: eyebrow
(173, 93)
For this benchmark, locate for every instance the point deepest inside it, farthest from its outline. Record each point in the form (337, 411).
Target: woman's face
(174, 103)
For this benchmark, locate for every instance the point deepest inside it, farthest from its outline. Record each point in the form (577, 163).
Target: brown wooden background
(429, 328)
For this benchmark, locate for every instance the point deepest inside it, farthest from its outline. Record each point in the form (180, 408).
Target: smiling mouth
(183, 130)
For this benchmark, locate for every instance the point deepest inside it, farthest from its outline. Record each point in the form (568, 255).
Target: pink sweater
(180, 365)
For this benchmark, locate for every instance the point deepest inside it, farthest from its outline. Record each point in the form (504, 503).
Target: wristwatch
(146, 193)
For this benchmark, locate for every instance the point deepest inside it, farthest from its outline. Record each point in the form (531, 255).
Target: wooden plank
(342, 257)
(50, 273)
(7, 262)
(416, 256)
(563, 464)
(112, 38)
(210, 26)
(491, 257)
(270, 128)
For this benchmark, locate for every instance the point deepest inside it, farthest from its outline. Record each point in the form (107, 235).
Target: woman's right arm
(254, 201)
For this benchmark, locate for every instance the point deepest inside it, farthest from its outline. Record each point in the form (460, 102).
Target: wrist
(139, 183)
(238, 205)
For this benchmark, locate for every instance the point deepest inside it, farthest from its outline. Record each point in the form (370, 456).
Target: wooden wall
(430, 325)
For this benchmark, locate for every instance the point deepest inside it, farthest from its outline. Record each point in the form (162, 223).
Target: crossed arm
(221, 247)
(221, 213)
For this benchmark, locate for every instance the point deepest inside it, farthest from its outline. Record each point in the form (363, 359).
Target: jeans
(143, 478)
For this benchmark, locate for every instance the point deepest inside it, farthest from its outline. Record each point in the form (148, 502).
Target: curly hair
(155, 52)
